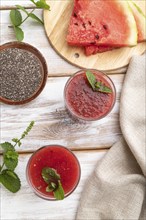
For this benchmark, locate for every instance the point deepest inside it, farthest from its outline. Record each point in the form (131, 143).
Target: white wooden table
(89, 141)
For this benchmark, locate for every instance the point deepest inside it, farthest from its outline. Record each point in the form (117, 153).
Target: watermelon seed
(84, 25)
(97, 36)
(76, 55)
(93, 43)
(105, 27)
(75, 15)
(89, 22)
(76, 24)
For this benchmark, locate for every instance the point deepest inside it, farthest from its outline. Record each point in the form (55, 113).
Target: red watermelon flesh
(140, 19)
(89, 50)
(102, 22)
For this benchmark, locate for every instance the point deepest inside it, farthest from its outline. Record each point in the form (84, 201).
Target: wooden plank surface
(35, 35)
(52, 125)
(55, 126)
(25, 205)
(7, 4)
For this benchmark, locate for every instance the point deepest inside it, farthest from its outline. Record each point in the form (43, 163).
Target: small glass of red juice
(59, 158)
(82, 102)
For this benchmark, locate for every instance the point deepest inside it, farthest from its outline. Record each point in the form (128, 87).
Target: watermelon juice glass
(59, 158)
(83, 102)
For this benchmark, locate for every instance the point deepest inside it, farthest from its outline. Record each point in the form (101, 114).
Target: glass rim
(107, 78)
(37, 192)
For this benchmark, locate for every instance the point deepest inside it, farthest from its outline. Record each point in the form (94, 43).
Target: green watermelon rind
(139, 9)
(132, 40)
(139, 13)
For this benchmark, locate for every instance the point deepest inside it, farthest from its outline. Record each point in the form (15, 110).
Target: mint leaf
(15, 140)
(50, 175)
(102, 88)
(10, 180)
(59, 192)
(22, 9)
(7, 146)
(19, 33)
(51, 187)
(41, 4)
(11, 159)
(97, 85)
(12, 174)
(19, 143)
(91, 79)
(15, 17)
(33, 16)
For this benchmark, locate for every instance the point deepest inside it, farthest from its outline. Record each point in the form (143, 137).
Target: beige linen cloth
(116, 189)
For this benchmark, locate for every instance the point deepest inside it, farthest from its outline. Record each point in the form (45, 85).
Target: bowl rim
(106, 77)
(37, 192)
(44, 70)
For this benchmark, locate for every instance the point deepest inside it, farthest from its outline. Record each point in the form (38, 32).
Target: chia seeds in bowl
(23, 73)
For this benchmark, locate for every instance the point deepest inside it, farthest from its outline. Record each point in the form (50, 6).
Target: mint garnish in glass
(52, 178)
(97, 86)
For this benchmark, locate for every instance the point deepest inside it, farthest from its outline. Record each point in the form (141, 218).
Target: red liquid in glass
(59, 158)
(85, 103)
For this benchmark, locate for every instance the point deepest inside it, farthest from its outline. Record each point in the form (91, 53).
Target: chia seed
(20, 74)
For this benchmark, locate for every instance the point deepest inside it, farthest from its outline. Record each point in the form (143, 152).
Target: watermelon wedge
(102, 23)
(140, 19)
(89, 50)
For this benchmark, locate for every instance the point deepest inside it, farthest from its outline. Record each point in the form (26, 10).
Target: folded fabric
(117, 188)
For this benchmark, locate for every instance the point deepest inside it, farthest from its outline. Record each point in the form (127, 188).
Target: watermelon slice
(102, 22)
(89, 50)
(140, 19)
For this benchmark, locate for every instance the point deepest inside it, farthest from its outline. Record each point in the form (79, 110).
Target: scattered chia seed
(20, 74)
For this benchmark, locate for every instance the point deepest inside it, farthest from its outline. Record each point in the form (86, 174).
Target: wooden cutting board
(56, 25)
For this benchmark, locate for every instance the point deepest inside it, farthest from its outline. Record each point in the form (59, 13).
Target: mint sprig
(8, 177)
(17, 19)
(52, 178)
(97, 86)
(41, 4)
